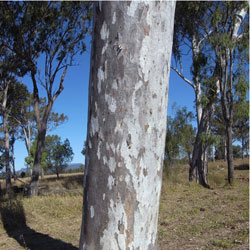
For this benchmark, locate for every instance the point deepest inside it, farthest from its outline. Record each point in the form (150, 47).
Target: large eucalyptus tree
(128, 96)
(53, 31)
(209, 29)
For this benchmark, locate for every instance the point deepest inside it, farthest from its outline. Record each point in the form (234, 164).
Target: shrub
(23, 174)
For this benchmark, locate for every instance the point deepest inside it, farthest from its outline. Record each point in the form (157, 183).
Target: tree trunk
(128, 95)
(7, 154)
(242, 147)
(205, 163)
(225, 149)
(13, 155)
(200, 152)
(199, 166)
(230, 164)
(193, 166)
(41, 130)
(27, 137)
(37, 163)
(213, 153)
(193, 170)
(6, 137)
(42, 172)
(202, 166)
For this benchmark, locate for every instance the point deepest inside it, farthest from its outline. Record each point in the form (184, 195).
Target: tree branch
(184, 78)
(60, 89)
(204, 37)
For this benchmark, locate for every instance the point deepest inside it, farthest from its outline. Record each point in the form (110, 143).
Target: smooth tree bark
(128, 96)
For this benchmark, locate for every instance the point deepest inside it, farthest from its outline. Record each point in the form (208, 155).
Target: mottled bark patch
(127, 124)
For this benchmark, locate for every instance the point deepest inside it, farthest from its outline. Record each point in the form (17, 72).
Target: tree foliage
(217, 35)
(56, 155)
(180, 135)
(54, 32)
(59, 154)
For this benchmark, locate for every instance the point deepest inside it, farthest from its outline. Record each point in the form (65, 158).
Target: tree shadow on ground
(14, 222)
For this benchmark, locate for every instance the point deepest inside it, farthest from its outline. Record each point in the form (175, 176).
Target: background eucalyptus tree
(53, 31)
(13, 97)
(230, 43)
(192, 30)
(205, 29)
(180, 136)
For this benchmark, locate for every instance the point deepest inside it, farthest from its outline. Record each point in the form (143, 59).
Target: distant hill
(25, 170)
(70, 166)
(74, 165)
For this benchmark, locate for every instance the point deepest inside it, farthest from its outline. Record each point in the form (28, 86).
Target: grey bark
(200, 152)
(200, 157)
(230, 153)
(27, 136)
(128, 95)
(225, 149)
(12, 155)
(213, 153)
(7, 154)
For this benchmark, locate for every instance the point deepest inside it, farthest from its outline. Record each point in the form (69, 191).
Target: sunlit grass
(191, 217)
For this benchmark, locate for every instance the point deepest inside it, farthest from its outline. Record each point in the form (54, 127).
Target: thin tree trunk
(230, 164)
(7, 155)
(6, 138)
(27, 137)
(203, 167)
(131, 52)
(205, 163)
(242, 148)
(42, 172)
(199, 165)
(213, 153)
(225, 149)
(12, 143)
(193, 166)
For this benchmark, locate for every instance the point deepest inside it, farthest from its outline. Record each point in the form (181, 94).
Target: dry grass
(191, 217)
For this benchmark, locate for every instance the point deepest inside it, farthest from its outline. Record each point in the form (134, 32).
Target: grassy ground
(191, 217)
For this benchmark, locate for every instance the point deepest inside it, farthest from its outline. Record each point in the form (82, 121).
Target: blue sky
(73, 102)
